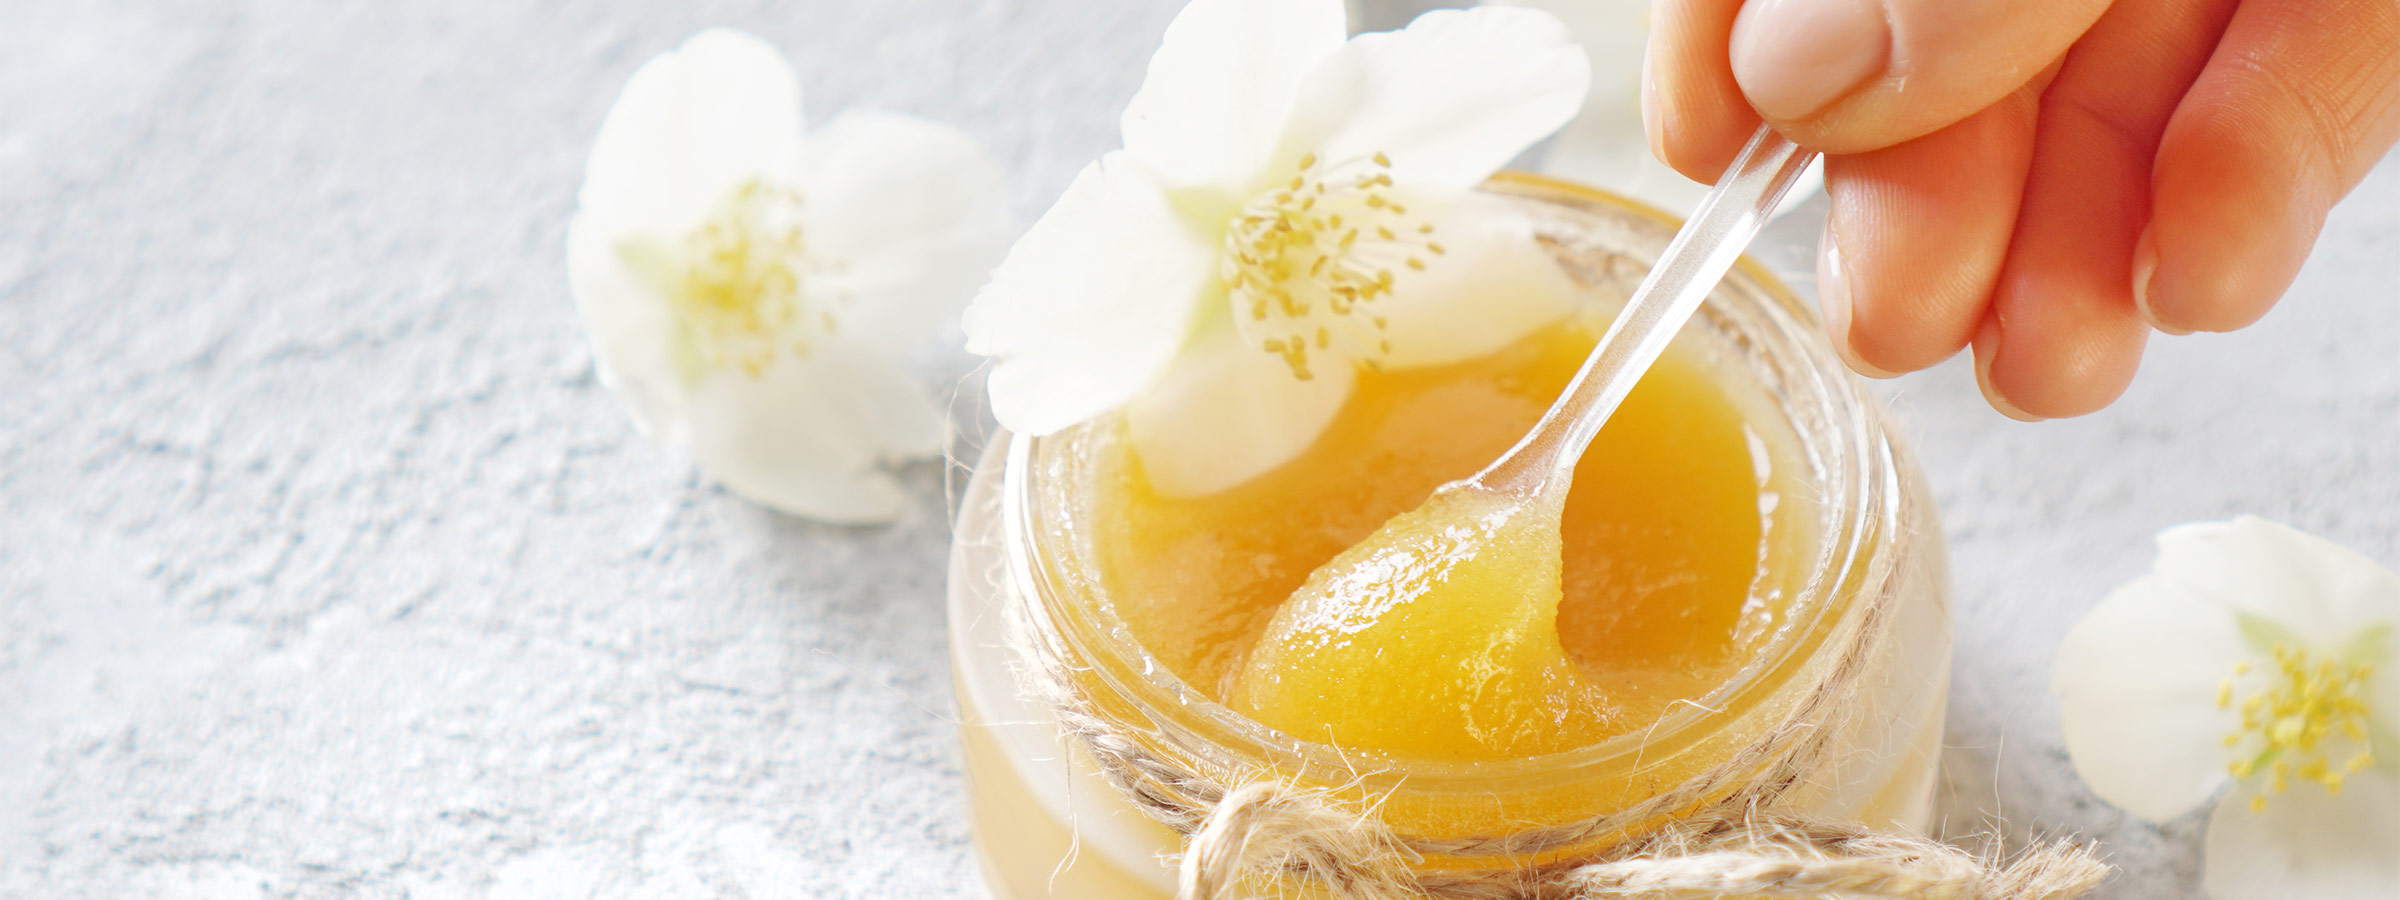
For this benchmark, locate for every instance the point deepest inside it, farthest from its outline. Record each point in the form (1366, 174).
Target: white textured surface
(326, 569)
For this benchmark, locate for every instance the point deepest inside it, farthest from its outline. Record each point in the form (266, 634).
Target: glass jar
(1870, 591)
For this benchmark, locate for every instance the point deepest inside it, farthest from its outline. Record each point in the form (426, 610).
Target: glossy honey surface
(1660, 548)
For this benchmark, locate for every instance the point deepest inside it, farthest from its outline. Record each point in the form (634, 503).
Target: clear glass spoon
(1469, 583)
(1717, 233)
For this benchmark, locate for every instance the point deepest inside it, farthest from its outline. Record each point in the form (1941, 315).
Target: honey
(1662, 544)
(1745, 530)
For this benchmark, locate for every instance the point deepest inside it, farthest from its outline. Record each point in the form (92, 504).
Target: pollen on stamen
(1303, 258)
(741, 279)
(2290, 728)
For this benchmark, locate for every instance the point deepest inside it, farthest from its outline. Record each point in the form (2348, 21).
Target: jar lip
(1860, 489)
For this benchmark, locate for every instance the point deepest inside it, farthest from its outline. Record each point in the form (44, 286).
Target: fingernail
(1792, 57)
(1833, 297)
(2145, 269)
(1987, 349)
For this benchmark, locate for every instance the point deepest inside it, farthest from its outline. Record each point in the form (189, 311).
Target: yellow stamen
(739, 283)
(2291, 725)
(1303, 259)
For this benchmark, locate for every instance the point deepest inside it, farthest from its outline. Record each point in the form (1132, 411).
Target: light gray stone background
(328, 570)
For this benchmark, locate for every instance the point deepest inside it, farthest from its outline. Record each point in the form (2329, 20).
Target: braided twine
(1721, 833)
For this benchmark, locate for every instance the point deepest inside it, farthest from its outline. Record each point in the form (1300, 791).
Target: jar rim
(1854, 470)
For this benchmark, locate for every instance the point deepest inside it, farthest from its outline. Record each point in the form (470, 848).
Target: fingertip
(2298, 102)
(1987, 350)
(2232, 221)
(1693, 111)
(1917, 250)
(1834, 301)
(2030, 376)
(2145, 269)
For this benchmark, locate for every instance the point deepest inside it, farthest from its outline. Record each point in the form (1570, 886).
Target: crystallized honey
(1664, 538)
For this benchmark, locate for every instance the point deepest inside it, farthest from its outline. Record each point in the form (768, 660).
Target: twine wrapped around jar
(1717, 833)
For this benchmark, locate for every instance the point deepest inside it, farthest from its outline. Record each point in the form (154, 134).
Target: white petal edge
(1494, 286)
(2321, 590)
(2137, 683)
(1450, 99)
(1222, 84)
(2308, 843)
(690, 125)
(630, 327)
(1228, 412)
(913, 213)
(1615, 35)
(1092, 303)
(810, 435)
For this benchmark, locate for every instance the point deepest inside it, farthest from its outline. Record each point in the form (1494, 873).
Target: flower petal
(1228, 412)
(1221, 86)
(2308, 842)
(1449, 99)
(1604, 146)
(1092, 303)
(628, 322)
(809, 435)
(690, 125)
(1493, 286)
(2137, 681)
(914, 214)
(1615, 35)
(2321, 590)
(2383, 703)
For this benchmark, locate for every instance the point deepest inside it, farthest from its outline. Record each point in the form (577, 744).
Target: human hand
(2045, 179)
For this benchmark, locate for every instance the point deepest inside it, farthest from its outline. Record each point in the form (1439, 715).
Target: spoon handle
(1717, 233)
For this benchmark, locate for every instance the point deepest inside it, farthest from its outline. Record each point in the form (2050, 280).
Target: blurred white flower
(749, 292)
(1282, 213)
(1605, 146)
(2262, 657)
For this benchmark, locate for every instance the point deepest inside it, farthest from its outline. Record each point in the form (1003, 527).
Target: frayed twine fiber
(1716, 834)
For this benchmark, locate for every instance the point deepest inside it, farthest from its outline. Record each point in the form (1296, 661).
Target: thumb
(1847, 76)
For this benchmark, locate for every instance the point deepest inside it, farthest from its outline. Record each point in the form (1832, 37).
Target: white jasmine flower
(1281, 215)
(1605, 145)
(2264, 658)
(749, 292)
